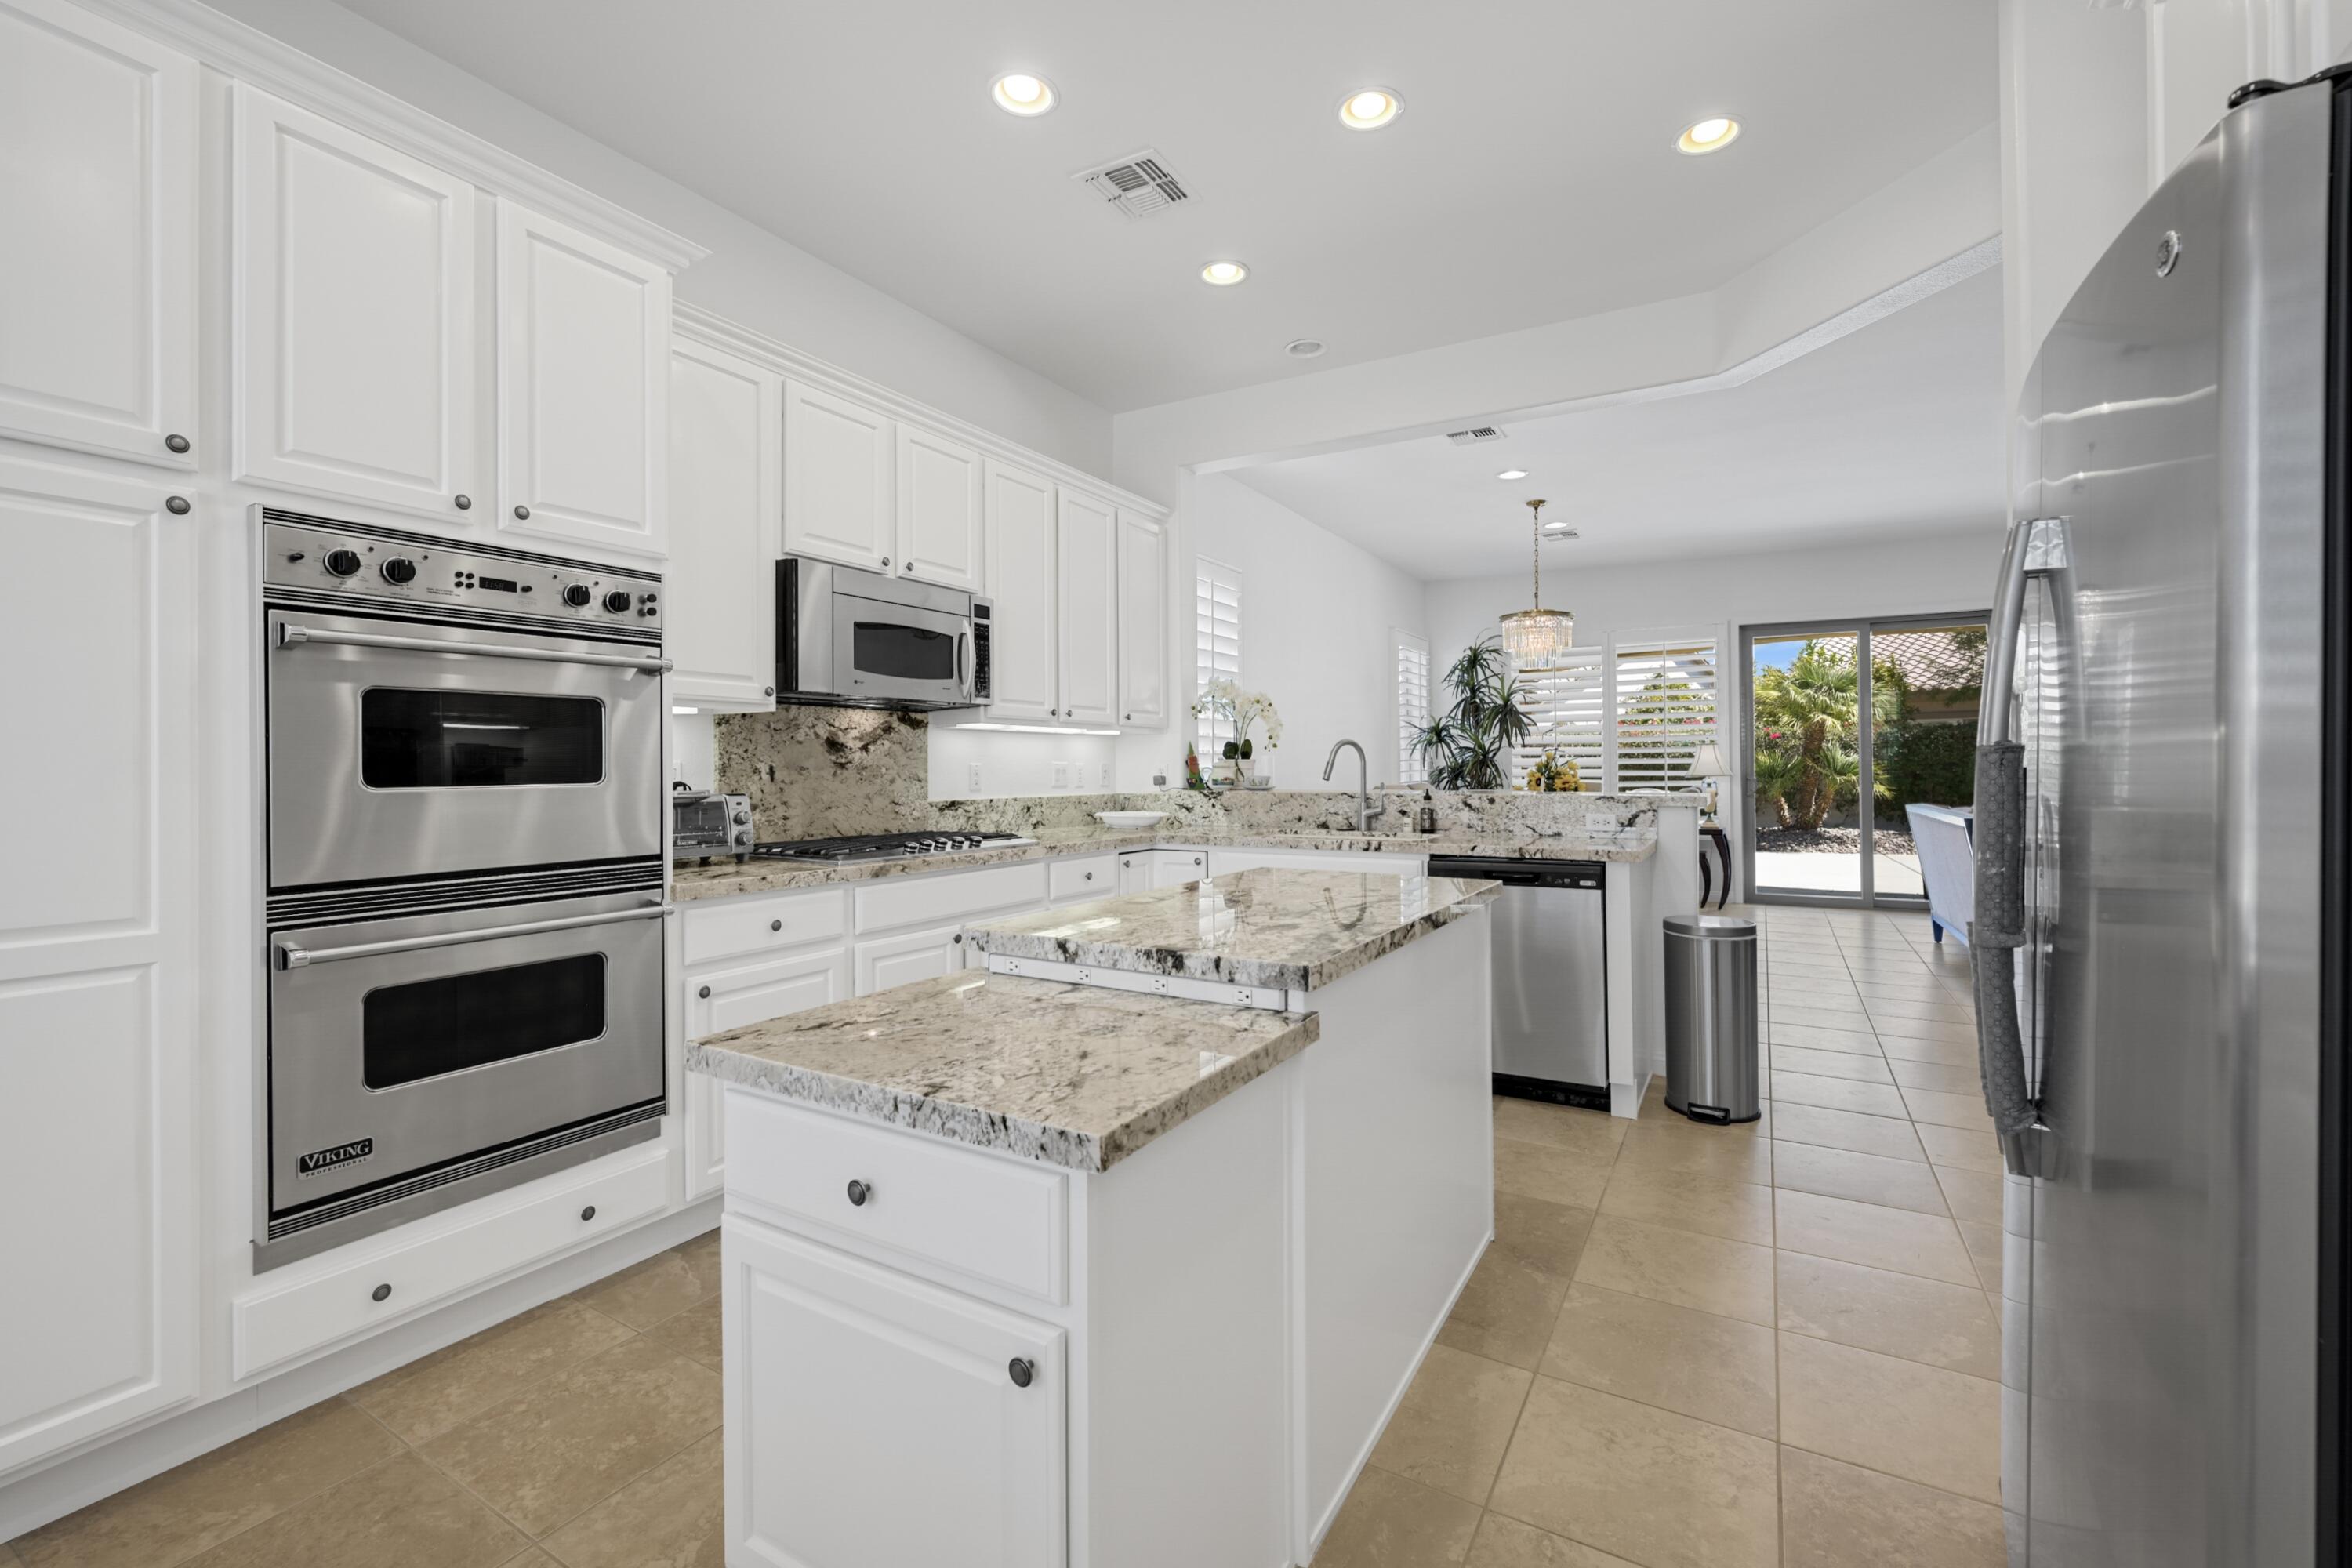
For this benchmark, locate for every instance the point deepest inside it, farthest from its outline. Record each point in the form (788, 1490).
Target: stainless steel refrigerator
(2160, 923)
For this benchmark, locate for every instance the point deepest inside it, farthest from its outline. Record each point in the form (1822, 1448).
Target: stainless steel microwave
(865, 639)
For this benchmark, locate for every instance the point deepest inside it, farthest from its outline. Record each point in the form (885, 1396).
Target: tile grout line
(426, 1459)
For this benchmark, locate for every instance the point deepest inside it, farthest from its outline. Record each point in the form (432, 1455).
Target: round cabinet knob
(703, 992)
(1090, 876)
(577, 596)
(886, 560)
(588, 1213)
(773, 925)
(619, 601)
(341, 562)
(464, 503)
(769, 690)
(522, 511)
(1126, 718)
(175, 443)
(399, 568)
(380, 1293)
(176, 505)
(858, 1192)
(1021, 1370)
(959, 937)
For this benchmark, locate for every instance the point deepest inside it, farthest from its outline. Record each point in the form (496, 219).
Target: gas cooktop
(885, 846)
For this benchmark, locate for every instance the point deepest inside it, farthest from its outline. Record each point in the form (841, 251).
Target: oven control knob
(400, 569)
(577, 596)
(619, 601)
(341, 562)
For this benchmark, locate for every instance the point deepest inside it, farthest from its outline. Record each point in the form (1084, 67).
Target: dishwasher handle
(1513, 872)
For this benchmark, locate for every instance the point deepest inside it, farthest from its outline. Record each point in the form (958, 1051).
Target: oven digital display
(503, 584)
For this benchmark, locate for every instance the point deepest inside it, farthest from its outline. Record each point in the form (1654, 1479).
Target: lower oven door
(410, 1053)
(402, 749)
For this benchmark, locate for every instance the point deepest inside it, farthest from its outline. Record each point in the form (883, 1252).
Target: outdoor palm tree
(1808, 730)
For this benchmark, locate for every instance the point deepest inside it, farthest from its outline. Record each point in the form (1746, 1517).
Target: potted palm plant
(1469, 746)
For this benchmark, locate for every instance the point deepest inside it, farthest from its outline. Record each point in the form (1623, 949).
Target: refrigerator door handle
(2037, 547)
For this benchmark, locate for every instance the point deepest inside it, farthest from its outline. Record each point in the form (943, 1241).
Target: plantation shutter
(1565, 709)
(1217, 642)
(1666, 694)
(1411, 705)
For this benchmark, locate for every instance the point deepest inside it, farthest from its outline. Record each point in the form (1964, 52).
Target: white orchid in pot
(1245, 711)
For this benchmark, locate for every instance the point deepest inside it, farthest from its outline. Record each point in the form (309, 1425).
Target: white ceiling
(1893, 429)
(1531, 179)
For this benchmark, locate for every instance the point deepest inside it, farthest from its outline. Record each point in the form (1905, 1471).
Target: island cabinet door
(874, 1420)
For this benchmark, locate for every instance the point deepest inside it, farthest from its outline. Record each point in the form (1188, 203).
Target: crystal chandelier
(1537, 639)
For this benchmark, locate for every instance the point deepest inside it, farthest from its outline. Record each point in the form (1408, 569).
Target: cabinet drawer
(983, 1217)
(278, 1322)
(728, 928)
(1095, 877)
(939, 900)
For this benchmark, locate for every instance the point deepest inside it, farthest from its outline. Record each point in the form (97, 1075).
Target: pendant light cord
(1536, 547)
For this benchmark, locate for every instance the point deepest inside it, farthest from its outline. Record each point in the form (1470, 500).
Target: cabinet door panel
(886, 962)
(98, 261)
(873, 1419)
(753, 994)
(838, 461)
(1142, 623)
(1086, 576)
(1174, 867)
(97, 953)
(1023, 647)
(726, 502)
(356, 315)
(938, 510)
(583, 378)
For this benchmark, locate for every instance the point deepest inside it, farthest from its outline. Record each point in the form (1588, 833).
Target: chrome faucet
(1363, 782)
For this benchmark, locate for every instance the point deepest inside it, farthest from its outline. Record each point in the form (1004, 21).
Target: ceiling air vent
(1477, 435)
(1137, 184)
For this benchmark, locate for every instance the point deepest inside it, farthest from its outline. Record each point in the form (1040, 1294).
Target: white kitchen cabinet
(1025, 646)
(1135, 871)
(839, 460)
(880, 1419)
(938, 509)
(98, 273)
(355, 323)
(887, 960)
(583, 377)
(1142, 622)
(98, 1040)
(722, 999)
(1174, 867)
(1081, 879)
(726, 503)
(1086, 575)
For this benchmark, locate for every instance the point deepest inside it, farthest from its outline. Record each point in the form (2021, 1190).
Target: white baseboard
(81, 1479)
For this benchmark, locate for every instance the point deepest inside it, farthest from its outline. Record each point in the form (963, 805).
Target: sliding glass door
(1846, 726)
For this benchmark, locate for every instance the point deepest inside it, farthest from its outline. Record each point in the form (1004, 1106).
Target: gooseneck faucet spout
(1363, 782)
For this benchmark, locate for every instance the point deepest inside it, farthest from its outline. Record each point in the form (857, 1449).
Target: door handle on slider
(292, 955)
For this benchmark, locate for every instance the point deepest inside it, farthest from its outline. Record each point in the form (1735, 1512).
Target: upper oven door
(414, 750)
(901, 653)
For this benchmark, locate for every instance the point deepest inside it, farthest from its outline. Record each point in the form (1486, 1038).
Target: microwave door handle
(291, 956)
(293, 635)
(963, 682)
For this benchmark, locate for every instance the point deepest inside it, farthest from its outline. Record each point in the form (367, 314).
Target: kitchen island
(1126, 1259)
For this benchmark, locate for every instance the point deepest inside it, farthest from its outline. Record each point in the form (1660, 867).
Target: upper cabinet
(1023, 668)
(98, 273)
(583, 376)
(1086, 592)
(726, 497)
(838, 464)
(939, 510)
(356, 362)
(1142, 621)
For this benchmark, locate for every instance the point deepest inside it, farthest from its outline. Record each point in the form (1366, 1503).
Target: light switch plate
(1105, 777)
(1061, 775)
(971, 778)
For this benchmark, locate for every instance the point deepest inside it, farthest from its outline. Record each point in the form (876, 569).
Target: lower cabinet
(878, 1419)
(1174, 867)
(884, 961)
(722, 999)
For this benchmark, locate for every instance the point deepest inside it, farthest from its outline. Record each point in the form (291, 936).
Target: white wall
(1021, 764)
(750, 276)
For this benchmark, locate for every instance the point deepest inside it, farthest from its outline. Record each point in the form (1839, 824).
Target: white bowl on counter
(1128, 818)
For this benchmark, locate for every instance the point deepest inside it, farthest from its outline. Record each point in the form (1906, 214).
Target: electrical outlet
(1106, 778)
(1600, 821)
(971, 778)
(1061, 775)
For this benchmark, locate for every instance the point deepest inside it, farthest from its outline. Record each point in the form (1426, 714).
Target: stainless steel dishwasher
(1551, 977)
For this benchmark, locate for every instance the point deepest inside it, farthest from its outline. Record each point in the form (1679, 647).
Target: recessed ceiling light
(1017, 92)
(1712, 135)
(1301, 348)
(1223, 274)
(1369, 108)
(1512, 474)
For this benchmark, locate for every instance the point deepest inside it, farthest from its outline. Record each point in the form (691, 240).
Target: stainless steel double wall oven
(465, 846)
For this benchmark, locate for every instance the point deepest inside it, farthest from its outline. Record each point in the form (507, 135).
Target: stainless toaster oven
(702, 825)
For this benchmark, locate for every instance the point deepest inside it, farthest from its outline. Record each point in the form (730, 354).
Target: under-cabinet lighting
(1038, 729)
(686, 710)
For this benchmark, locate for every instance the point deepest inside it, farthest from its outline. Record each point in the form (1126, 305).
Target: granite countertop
(724, 878)
(1274, 926)
(1067, 1075)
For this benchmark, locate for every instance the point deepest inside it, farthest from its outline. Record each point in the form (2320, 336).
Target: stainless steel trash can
(1711, 1065)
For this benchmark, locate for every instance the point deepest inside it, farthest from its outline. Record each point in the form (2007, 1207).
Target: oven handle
(291, 956)
(292, 635)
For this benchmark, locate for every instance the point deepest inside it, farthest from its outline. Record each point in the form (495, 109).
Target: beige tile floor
(1688, 1347)
(1697, 1347)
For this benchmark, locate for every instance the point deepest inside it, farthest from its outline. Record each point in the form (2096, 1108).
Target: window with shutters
(1411, 705)
(1567, 710)
(1217, 644)
(1663, 694)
